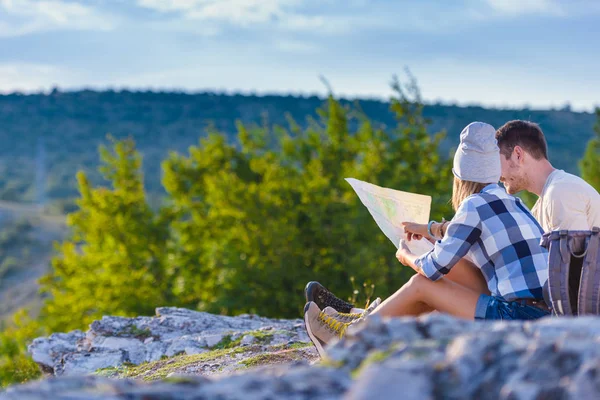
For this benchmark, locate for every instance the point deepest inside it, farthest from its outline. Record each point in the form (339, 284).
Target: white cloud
(26, 77)
(296, 46)
(516, 7)
(303, 22)
(240, 12)
(22, 17)
(281, 13)
(555, 8)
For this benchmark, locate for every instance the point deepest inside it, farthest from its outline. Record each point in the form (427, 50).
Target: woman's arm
(417, 231)
(462, 232)
(407, 258)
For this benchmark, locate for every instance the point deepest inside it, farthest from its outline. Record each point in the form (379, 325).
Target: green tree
(257, 219)
(114, 262)
(248, 223)
(590, 163)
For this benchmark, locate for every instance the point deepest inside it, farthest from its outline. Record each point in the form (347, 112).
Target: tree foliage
(256, 220)
(15, 365)
(246, 224)
(70, 125)
(590, 163)
(114, 263)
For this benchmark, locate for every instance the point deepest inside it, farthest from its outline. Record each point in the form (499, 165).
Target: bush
(15, 365)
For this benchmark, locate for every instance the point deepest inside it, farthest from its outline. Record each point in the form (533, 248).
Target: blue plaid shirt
(497, 233)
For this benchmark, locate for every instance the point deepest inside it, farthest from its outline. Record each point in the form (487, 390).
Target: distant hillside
(46, 138)
(26, 243)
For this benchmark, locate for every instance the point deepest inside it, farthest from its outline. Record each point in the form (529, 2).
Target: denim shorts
(489, 307)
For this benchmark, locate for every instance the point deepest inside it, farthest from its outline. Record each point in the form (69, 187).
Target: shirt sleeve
(463, 231)
(566, 209)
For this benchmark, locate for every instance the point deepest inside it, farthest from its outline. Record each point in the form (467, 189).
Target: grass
(373, 357)
(113, 371)
(295, 346)
(227, 343)
(262, 337)
(272, 358)
(160, 369)
(135, 332)
(227, 347)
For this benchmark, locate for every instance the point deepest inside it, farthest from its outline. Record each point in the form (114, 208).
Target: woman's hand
(415, 231)
(403, 253)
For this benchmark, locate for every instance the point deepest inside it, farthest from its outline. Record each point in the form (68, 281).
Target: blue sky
(507, 53)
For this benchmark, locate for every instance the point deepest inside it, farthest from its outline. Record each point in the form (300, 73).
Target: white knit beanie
(477, 158)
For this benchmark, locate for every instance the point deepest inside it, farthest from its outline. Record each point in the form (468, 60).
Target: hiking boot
(372, 307)
(317, 293)
(352, 316)
(321, 328)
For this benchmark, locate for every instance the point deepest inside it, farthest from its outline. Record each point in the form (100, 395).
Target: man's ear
(520, 154)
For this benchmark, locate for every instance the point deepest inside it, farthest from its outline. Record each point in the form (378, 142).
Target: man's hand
(403, 252)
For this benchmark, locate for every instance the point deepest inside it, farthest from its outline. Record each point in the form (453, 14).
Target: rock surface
(435, 356)
(117, 341)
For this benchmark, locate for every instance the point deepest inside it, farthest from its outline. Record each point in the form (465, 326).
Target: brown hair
(525, 134)
(463, 189)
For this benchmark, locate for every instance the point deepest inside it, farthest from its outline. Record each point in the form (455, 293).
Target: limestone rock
(434, 356)
(49, 351)
(114, 341)
(300, 382)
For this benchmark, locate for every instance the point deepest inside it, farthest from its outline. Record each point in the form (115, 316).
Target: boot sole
(316, 342)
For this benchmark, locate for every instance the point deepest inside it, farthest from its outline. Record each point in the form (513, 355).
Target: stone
(49, 351)
(213, 340)
(134, 349)
(411, 381)
(434, 356)
(113, 341)
(82, 363)
(247, 340)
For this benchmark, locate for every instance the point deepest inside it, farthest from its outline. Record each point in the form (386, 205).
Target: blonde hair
(463, 189)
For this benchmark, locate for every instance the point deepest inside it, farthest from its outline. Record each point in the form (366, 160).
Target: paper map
(391, 207)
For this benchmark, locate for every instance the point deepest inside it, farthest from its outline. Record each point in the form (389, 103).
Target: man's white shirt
(567, 202)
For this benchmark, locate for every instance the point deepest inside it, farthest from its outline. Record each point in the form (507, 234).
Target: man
(565, 201)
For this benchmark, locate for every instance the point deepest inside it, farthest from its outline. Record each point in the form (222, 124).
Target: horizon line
(566, 107)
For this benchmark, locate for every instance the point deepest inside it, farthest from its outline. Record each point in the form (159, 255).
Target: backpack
(573, 286)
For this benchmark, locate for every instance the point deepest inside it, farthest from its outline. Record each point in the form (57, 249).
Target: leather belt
(541, 304)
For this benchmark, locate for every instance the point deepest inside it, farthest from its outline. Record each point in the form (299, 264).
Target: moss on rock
(230, 358)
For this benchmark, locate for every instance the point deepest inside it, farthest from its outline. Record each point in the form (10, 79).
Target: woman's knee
(417, 282)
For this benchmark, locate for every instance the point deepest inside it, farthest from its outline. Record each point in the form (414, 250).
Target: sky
(502, 53)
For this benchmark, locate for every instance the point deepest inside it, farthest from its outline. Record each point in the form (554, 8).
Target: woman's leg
(421, 295)
(466, 274)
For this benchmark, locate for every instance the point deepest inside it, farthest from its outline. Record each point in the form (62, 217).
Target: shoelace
(333, 324)
(350, 315)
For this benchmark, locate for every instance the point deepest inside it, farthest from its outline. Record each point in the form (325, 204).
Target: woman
(491, 230)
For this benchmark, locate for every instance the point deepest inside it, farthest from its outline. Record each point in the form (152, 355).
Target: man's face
(513, 176)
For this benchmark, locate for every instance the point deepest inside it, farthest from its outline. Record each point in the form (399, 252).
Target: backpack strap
(589, 288)
(558, 275)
